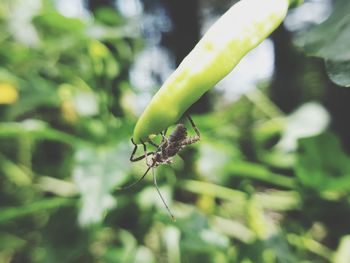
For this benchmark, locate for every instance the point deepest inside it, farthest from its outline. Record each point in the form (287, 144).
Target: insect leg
(146, 154)
(135, 183)
(135, 159)
(194, 126)
(153, 143)
(165, 140)
(163, 133)
(192, 139)
(161, 197)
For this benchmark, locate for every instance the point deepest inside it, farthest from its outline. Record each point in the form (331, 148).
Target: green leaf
(322, 164)
(331, 40)
(338, 72)
(9, 245)
(57, 23)
(12, 213)
(37, 130)
(259, 172)
(108, 16)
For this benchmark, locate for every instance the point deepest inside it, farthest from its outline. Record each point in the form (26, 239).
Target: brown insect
(165, 152)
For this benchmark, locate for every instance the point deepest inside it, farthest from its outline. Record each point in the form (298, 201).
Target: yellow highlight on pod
(8, 93)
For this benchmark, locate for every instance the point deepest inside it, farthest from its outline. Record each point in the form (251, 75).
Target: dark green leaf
(331, 40)
(338, 72)
(12, 213)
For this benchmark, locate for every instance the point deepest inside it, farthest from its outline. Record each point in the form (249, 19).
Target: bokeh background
(268, 182)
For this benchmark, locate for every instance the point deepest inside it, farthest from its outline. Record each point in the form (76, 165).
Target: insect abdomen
(179, 134)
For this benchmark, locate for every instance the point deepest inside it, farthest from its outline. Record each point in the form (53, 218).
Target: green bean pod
(240, 29)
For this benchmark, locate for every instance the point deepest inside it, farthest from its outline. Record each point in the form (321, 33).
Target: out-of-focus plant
(259, 187)
(62, 127)
(330, 41)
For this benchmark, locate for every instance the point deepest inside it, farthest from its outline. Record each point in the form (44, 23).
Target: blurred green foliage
(259, 187)
(330, 40)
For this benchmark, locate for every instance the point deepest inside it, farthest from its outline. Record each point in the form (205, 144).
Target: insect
(166, 150)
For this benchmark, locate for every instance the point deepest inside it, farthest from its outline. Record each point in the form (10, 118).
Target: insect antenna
(135, 183)
(161, 197)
